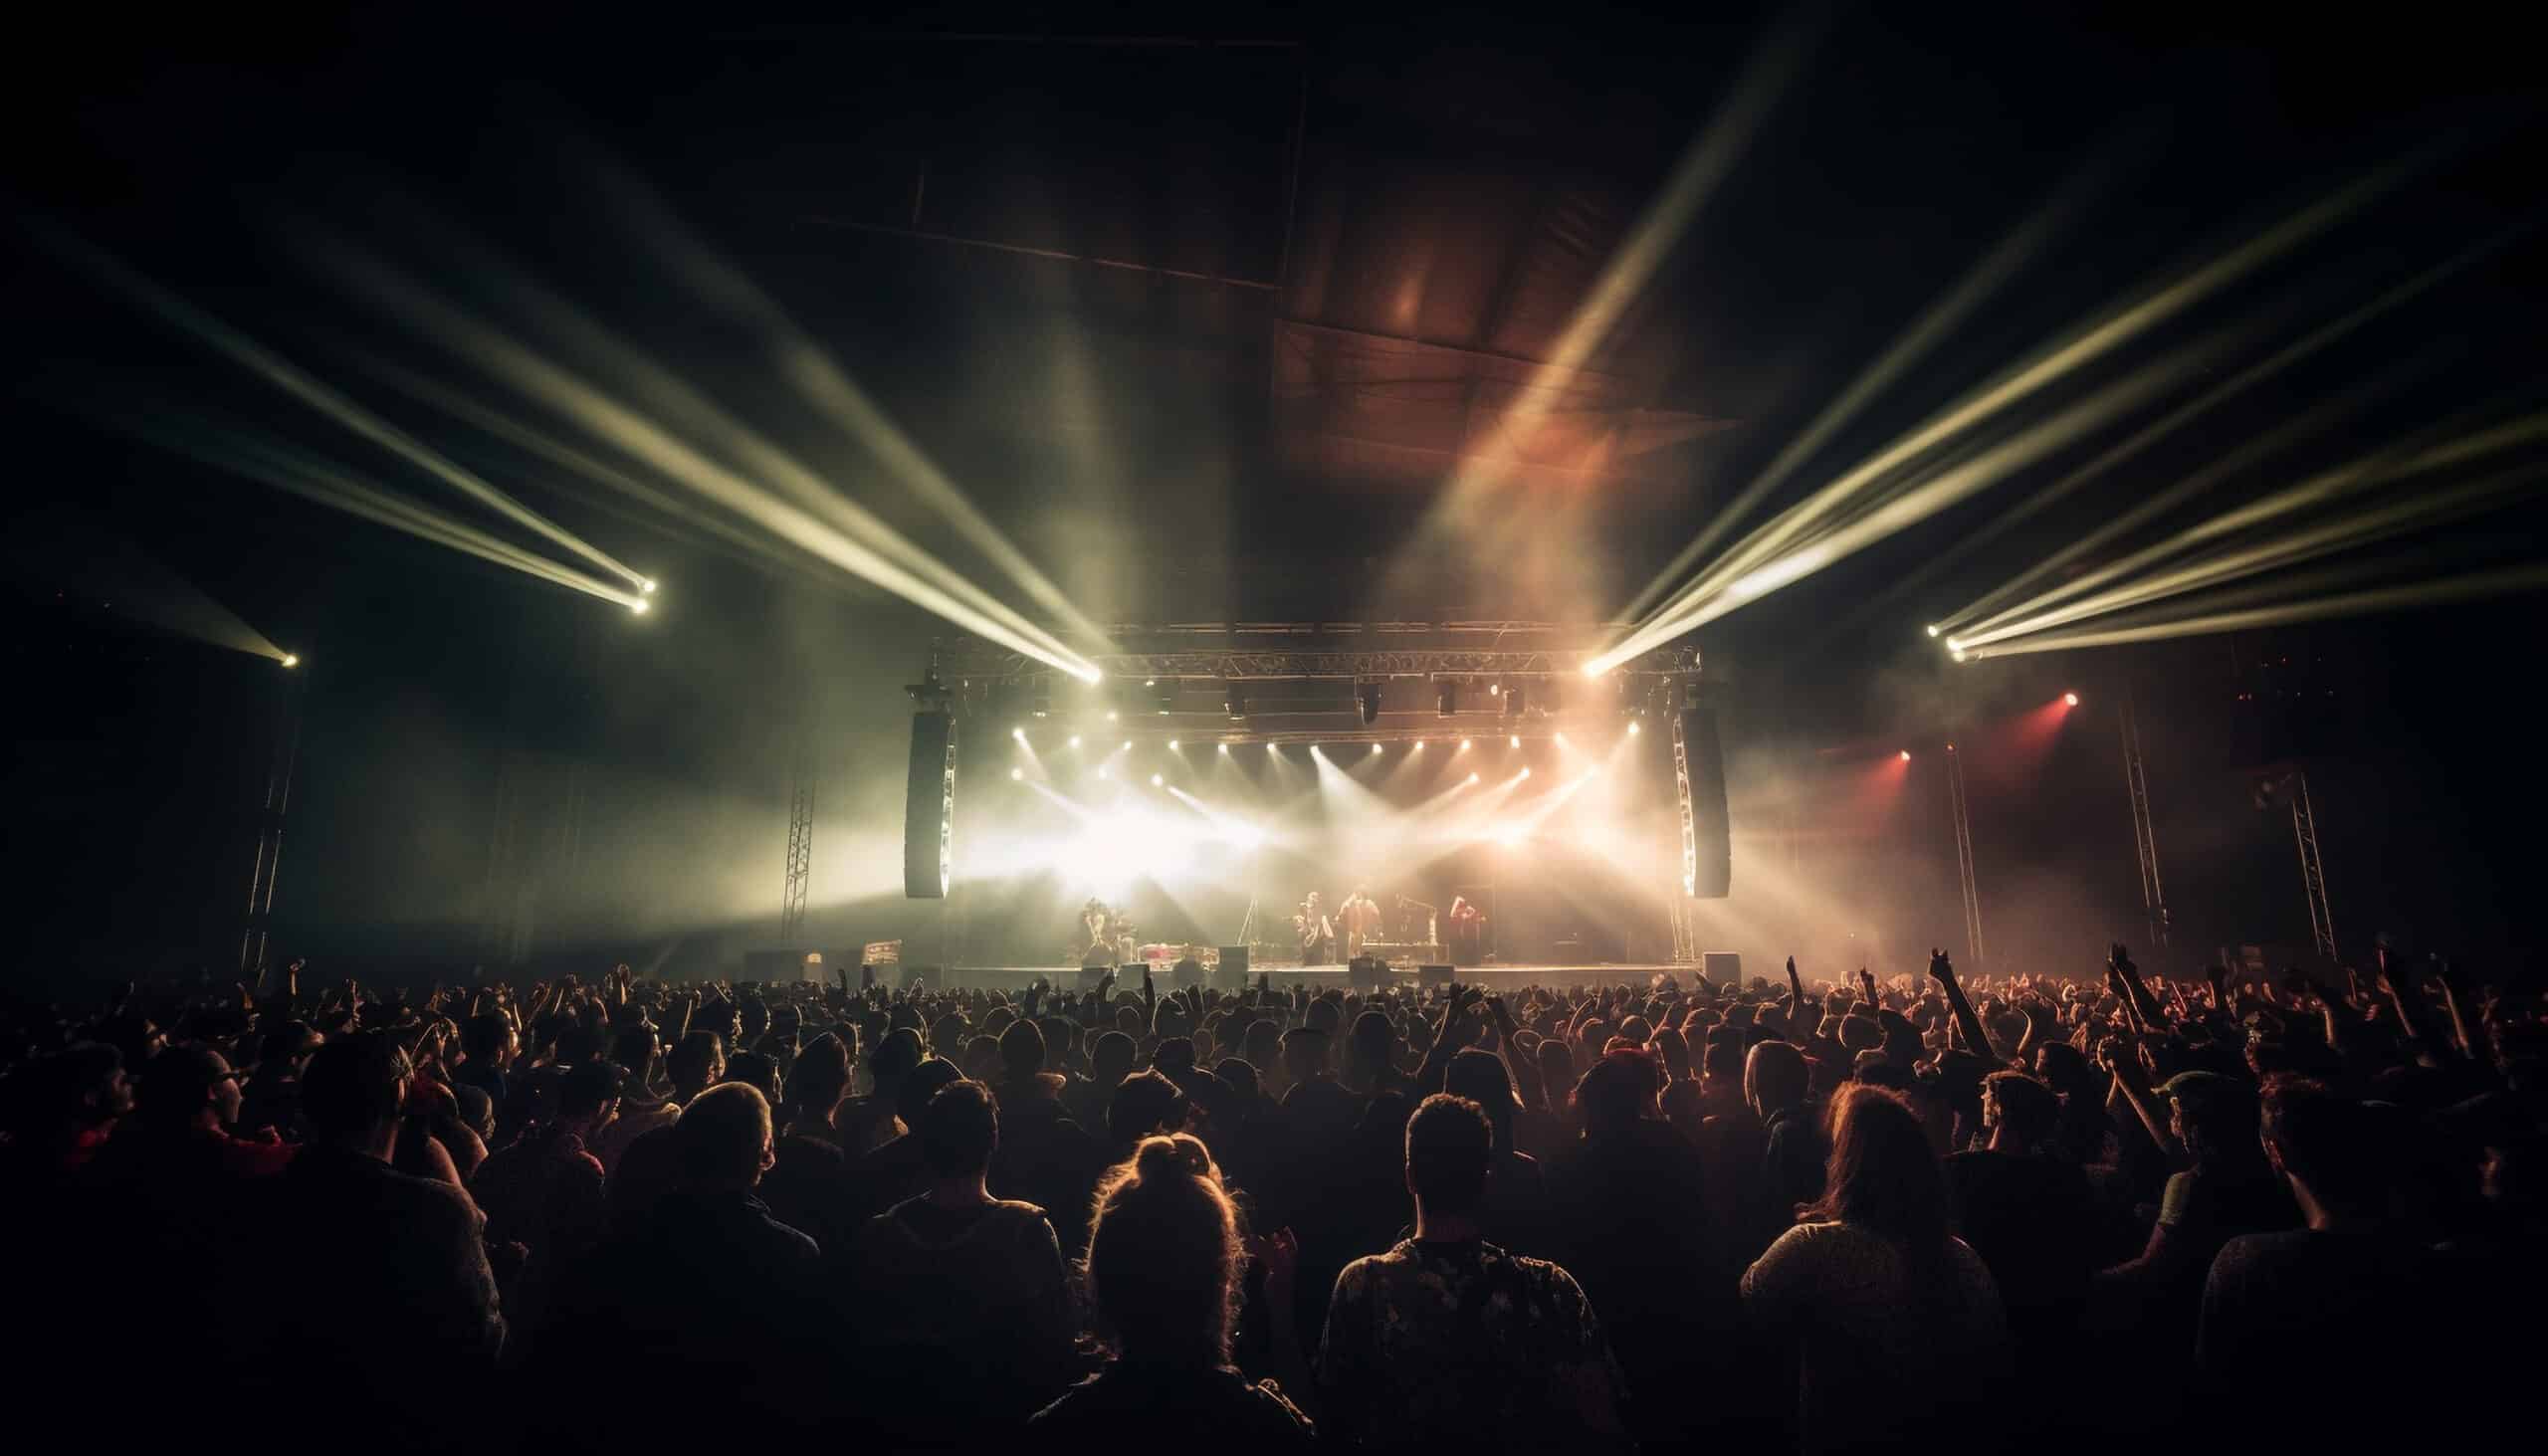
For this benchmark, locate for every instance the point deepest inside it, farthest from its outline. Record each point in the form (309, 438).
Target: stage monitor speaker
(1092, 976)
(1722, 967)
(1187, 971)
(1706, 764)
(1366, 973)
(1432, 975)
(929, 811)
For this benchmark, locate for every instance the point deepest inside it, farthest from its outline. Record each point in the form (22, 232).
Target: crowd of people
(2110, 1210)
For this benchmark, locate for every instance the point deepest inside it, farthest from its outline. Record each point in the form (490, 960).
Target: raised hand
(1941, 967)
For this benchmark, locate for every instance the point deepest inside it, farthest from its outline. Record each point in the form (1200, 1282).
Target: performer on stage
(1316, 933)
(1099, 948)
(1468, 932)
(1357, 917)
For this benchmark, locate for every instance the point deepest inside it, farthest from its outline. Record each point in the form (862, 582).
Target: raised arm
(1436, 1065)
(1943, 972)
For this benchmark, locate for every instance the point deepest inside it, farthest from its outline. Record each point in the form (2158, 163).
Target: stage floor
(1493, 977)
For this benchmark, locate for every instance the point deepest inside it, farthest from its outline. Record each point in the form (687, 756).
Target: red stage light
(2071, 699)
(1906, 755)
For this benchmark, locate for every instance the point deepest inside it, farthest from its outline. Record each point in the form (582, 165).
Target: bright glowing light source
(638, 606)
(1906, 755)
(1508, 836)
(1225, 749)
(1149, 682)
(1959, 653)
(1419, 746)
(1074, 740)
(1526, 773)
(1156, 780)
(2070, 699)
(1017, 774)
(292, 659)
(1933, 629)
(1472, 778)
(1954, 645)
(646, 587)
(1376, 747)
(1464, 745)
(1172, 746)
(1018, 734)
(1592, 669)
(1128, 746)
(1561, 737)
(1950, 747)
(1633, 730)
(1495, 687)
(1517, 741)
(1111, 715)
(1101, 770)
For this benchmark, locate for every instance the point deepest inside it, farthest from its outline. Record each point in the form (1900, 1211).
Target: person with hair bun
(1164, 1264)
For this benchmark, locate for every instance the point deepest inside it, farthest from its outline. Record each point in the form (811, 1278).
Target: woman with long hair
(1165, 1265)
(1896, 1323)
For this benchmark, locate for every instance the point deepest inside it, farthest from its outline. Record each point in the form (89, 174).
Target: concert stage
(1497, 979)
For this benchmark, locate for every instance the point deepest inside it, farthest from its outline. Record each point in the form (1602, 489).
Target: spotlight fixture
(1472, 778)
(1906, 755)
(292, 659)
(1112, 714)
(1376, 747)
(1156, 780)
(1149, 682)
(1634, 728)
(1526, 772)
(646, 588)
(1933, 629)
(2070, 699)
(1163, 695)
(1419, 746)
(1464, 745)
(1561, 737)
(1494, 688)
(1172, 746)
(1225, 749)
(1128, 746)
(1368, 698)
(1017, 774)
(1517, 741)
(1101, 770)
(1958, 653)
(1446, 697)
(1018, 734)
(1236, 699)
(1074, 740)
(638, 606)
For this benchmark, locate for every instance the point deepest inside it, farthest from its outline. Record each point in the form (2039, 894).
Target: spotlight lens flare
(1172, 746)
(1635, 729)
(2070, 699)
(1156, 780)
(646, 588)
(1376, 747)
(1517, 741)
(1074, 740)
(292, 659)
(1933, 630)
(1225, 749)
(1464, 745)
(1016, 773)
(1472, 778)
(1018, 734)
(1905, 755)
(638, 606)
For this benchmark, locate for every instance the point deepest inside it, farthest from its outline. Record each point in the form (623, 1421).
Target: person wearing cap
(2223, 1188)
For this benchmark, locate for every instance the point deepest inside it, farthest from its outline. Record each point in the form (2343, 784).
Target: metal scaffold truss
(2313, 873)
(801, 844)
(2144, 836)
(1452, 648)
(1964, 855)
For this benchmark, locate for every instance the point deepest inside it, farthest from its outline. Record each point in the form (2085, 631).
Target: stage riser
(1019, 977)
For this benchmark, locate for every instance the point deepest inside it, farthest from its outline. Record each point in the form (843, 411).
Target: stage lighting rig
(1235, 698)
(1366, 697)
(292, 659)
(929, 695)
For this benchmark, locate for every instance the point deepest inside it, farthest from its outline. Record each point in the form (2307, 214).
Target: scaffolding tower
(1958, 803)
(2145, 837)
(253, 938)
(800, 842)
(2313, 873)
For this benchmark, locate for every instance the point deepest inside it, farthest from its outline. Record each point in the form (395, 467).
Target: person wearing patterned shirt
(1448, 1341)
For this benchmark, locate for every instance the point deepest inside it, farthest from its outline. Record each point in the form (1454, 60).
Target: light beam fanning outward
(1784, 550)
(2469, 586)
(806, 365)
(293, 380)
(263, 458)
(890, 564)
